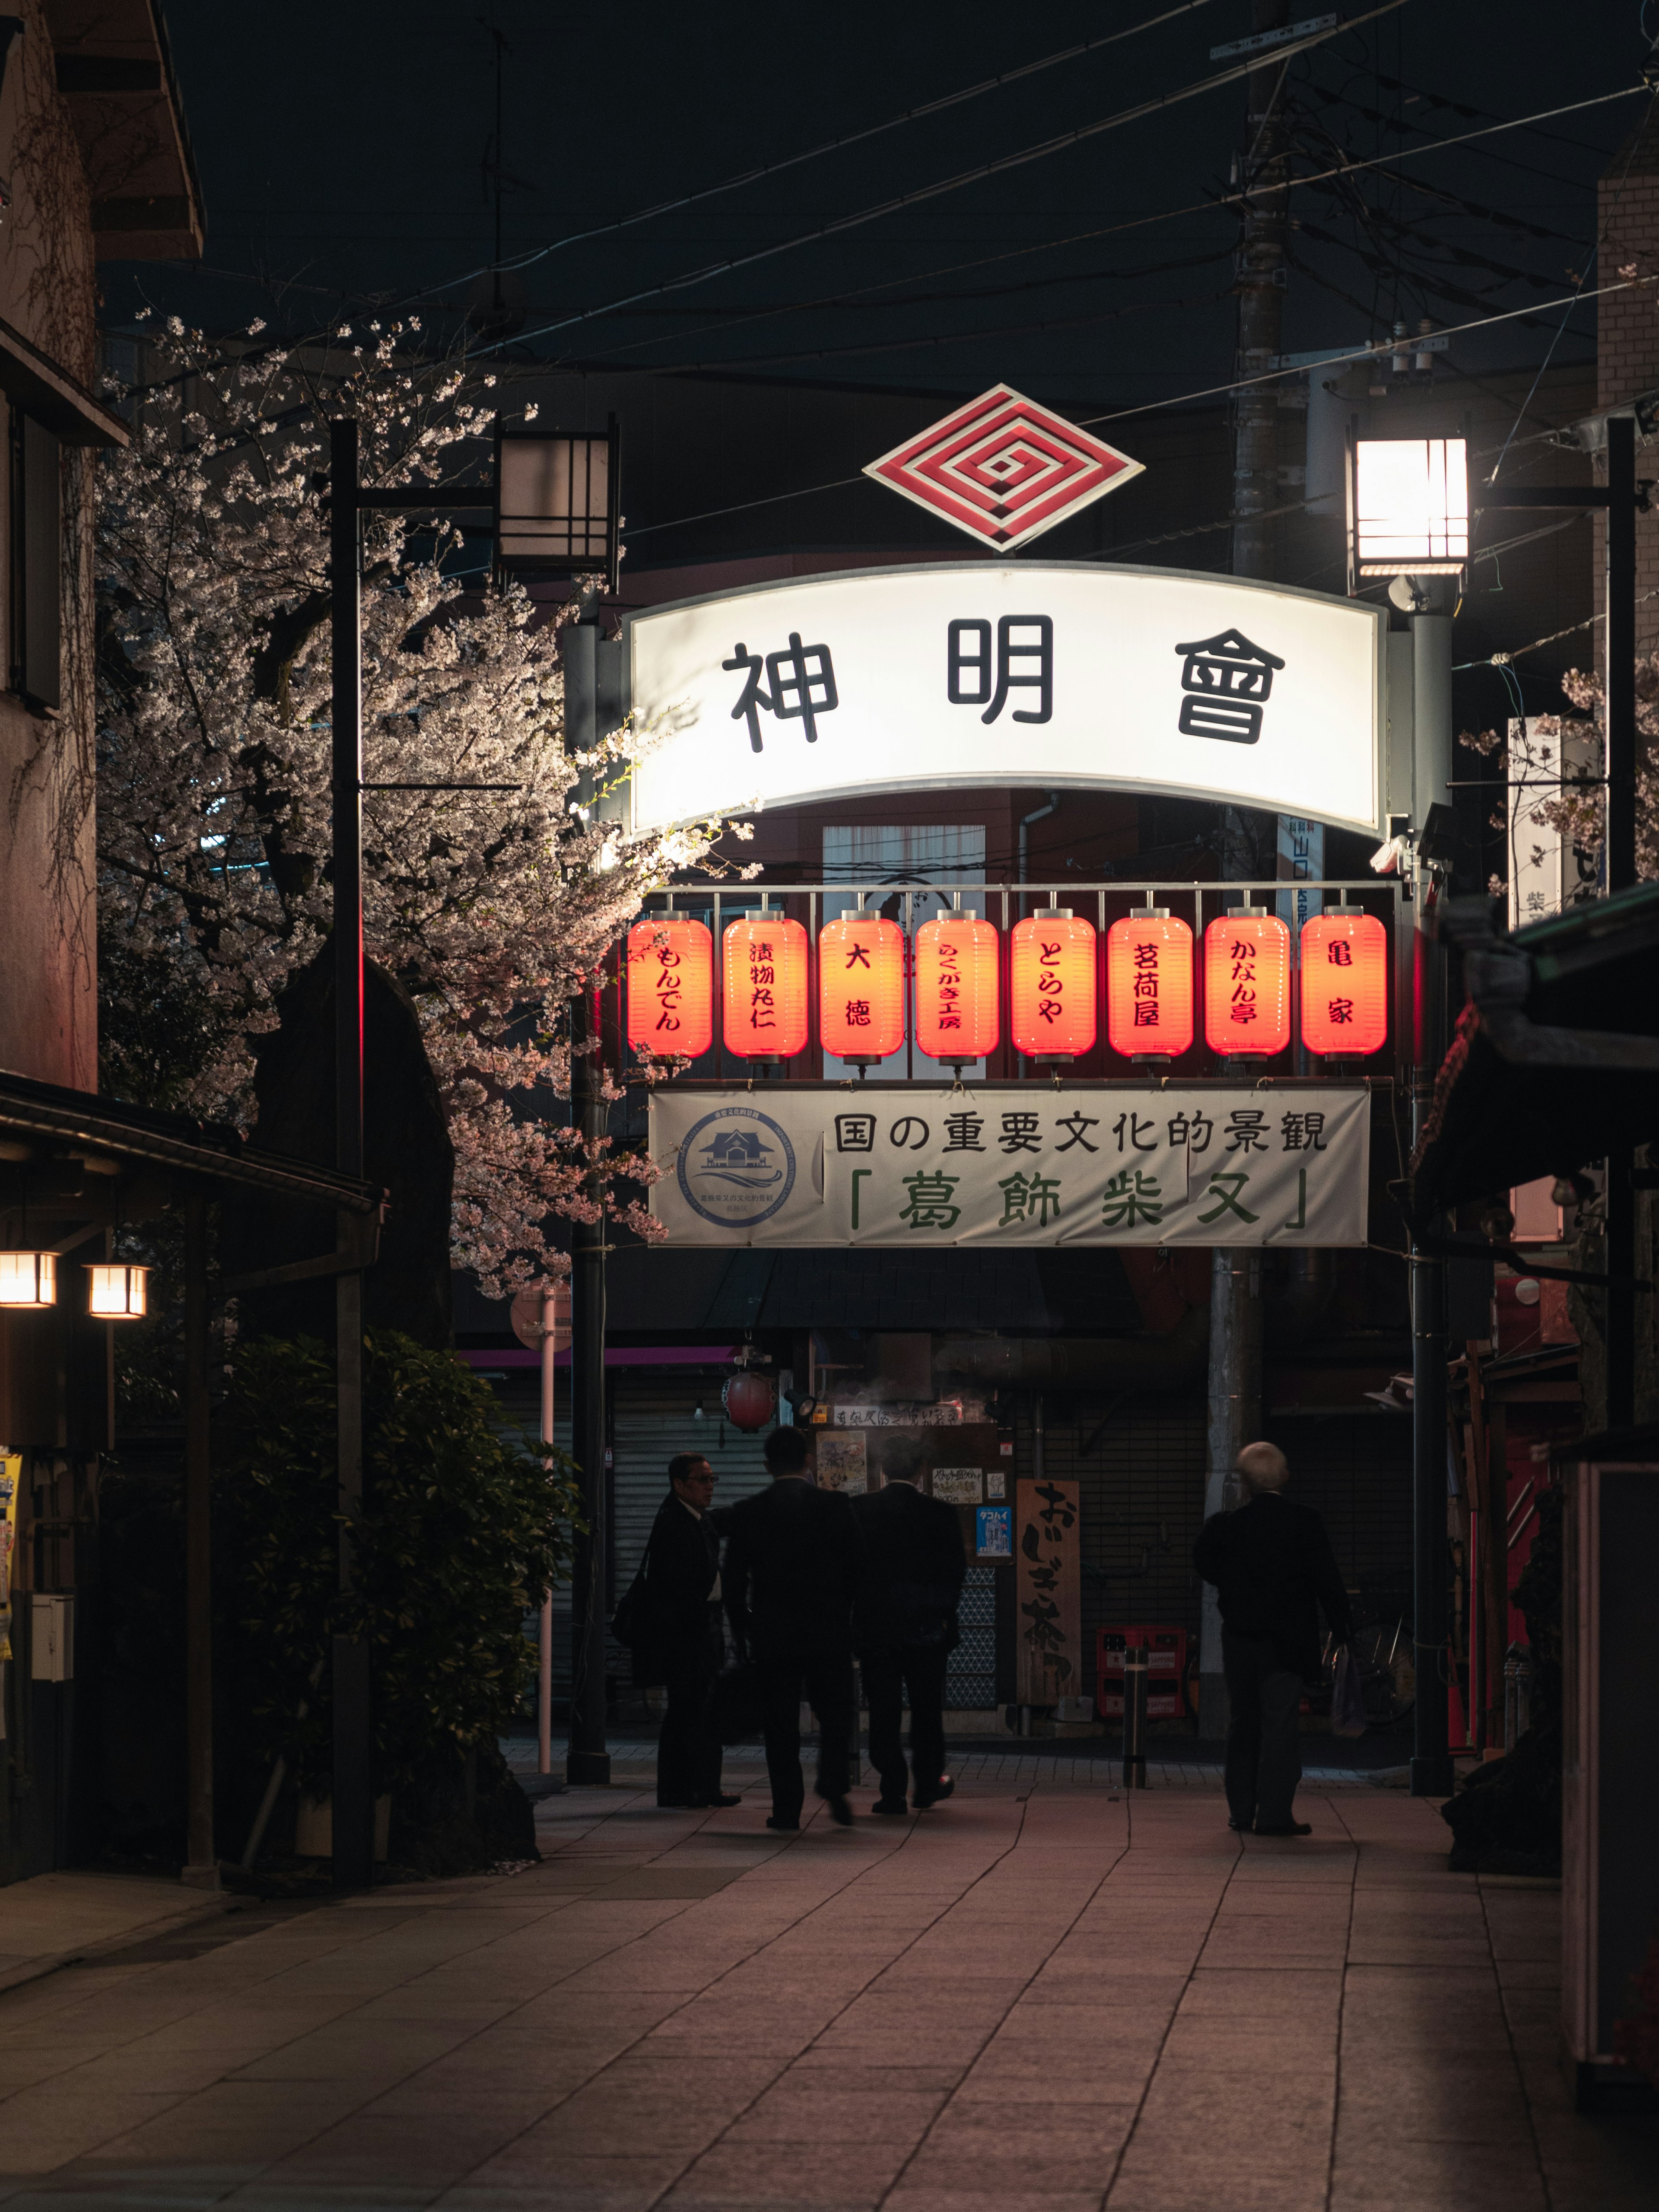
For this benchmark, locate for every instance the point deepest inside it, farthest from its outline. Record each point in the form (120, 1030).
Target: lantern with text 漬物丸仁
(861, 987)
(1149, 985)
(671, 985)
(958, 1016)
(1344, 983)
(764, 987)
(1051, 985)
(1246, 984)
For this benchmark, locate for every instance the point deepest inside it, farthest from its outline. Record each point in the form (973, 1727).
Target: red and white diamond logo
(1003, 468)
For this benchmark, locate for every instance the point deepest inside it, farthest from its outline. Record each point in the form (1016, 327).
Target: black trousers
(688, 1750)
(888, 1676)
(1264, 1744)
(828, 1682)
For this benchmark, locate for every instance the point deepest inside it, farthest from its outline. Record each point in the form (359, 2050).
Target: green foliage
(463, 1529)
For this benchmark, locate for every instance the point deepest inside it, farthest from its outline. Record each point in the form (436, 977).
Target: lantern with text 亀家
(1149, 985)
(957, 1018)
(764, 982)
(1051, 985)
(1246, 984)
(671, 985)
(747, 1398)
(1344, 983)
(861, 987)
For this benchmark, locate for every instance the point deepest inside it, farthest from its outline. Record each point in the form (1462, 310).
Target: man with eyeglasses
(683, 1602)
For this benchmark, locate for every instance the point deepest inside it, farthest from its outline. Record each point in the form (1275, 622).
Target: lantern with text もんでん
(861, 987)
(1149, 985)
(1344, 983)
(764, 982)
(671, 985)
(957, 1017)
(1051, 985)
(1246, 984)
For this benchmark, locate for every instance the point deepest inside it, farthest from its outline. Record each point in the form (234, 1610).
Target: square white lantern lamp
(115, 1292)
(1408, 506)
(28, 1279)
(556, 502)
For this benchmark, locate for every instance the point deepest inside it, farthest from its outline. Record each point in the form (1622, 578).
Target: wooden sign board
(1048, 1606)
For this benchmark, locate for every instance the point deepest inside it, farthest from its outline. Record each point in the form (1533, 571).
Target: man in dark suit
(1272, 1564)
(686, 1644)
(904, 1629)
(791, 1564)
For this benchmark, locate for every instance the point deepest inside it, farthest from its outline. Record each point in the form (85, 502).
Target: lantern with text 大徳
(1149, 985)
(1409, 506)
(671, 985)
(1246, 984)
(861, 987)
(1344, 983)
(1051, 986)
(957, 1017)
(115, 1292)
(28, 1278)
(764, 984)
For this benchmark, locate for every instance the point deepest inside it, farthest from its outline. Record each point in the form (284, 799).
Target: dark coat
(914, 1566)
(791, 1567)
(1274, 1571)
(681, 1563)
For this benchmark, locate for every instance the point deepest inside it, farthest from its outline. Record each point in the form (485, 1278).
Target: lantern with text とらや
(957, 1018)
(1051, 985)
(1246, 984)
(1149, 985)
(671, 985)
(861, 987)
(1344, 983)
(765, 981)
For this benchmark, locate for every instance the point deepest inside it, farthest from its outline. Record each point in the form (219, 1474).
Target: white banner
(1024, 1163)
(974, 673)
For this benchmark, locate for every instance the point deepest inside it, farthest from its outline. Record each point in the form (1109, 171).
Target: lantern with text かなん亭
(671, 985)
(958, 1016)
(1149, 985)
(1344, 983)
(1246, 984)
(861, 987)
(1051, 985)
(764, 984)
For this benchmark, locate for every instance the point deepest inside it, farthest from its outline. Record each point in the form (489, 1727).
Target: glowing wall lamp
(1408, 506)
(556, 502)
(116, 1293)
(28, 1278)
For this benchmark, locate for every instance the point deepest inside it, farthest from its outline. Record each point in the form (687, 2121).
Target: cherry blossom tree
(491, 905)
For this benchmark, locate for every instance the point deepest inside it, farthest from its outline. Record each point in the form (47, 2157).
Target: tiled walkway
(1048, 2000)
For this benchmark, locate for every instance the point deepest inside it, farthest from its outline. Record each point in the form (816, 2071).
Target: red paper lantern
(957, 1018)
(1344, 983)
(1246, 984)
(747, 1399)
(671, 985)
(765, 977)
(861, 987)
(1052, 985)
(1149, 985)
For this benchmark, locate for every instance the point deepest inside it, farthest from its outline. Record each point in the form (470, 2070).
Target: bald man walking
(1274, 1573)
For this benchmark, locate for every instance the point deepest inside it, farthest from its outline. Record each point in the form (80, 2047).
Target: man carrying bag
(671, 1618)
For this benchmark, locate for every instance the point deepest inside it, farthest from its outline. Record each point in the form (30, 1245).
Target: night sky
(349, 161)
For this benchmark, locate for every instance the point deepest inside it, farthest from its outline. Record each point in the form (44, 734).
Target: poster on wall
(840, 1461)
(1049, 1556)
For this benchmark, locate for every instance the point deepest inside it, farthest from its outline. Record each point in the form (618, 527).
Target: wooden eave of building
(34, 381)
(115, 75)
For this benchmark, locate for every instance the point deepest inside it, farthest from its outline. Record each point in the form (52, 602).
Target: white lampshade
(116, 1293)
(1410, 506)
(555, 501)
(28, 1278)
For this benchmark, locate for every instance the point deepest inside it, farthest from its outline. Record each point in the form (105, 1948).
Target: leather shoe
(895, 1806)
(840, 1809)
(725, 1797)
(1290, 1828)
(1242, 1826)
(940, 1790)
(783, 1827)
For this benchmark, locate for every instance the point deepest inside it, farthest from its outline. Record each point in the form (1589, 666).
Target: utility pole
(1235, 1375)
(587, 1759)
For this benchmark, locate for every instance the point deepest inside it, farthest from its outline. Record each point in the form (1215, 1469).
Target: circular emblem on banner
(736, 1168)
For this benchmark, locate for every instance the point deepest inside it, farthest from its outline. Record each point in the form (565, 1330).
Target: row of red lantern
(1150, 1009)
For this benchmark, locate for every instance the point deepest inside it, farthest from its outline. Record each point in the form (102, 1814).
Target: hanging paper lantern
(28, 1278)
(671, 985)
(1052, 985)
(861, 987)
(116, 1293)
(765, 988)
(1344, 983)
(1149, 985)
(1246, 984)
(957, 1017)
(747, 1399)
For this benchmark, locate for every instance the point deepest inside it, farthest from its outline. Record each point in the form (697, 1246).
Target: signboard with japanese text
(1048, 1554)
(1026, 1164)
(973, 673)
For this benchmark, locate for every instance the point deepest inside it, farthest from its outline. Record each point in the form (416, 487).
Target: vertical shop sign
(1049, 1549)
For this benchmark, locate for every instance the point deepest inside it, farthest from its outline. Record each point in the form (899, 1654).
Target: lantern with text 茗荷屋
(958, 1016)
(671, 987)
(1051, 985)
(1344, 984)
(1149, 985)
(1246, 984)
(763, 981)
(861, 987)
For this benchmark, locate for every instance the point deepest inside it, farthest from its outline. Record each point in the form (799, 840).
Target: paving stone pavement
(1052, 1999)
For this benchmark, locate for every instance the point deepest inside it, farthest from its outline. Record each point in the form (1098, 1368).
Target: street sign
(1012, 1165)
(961, 675)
